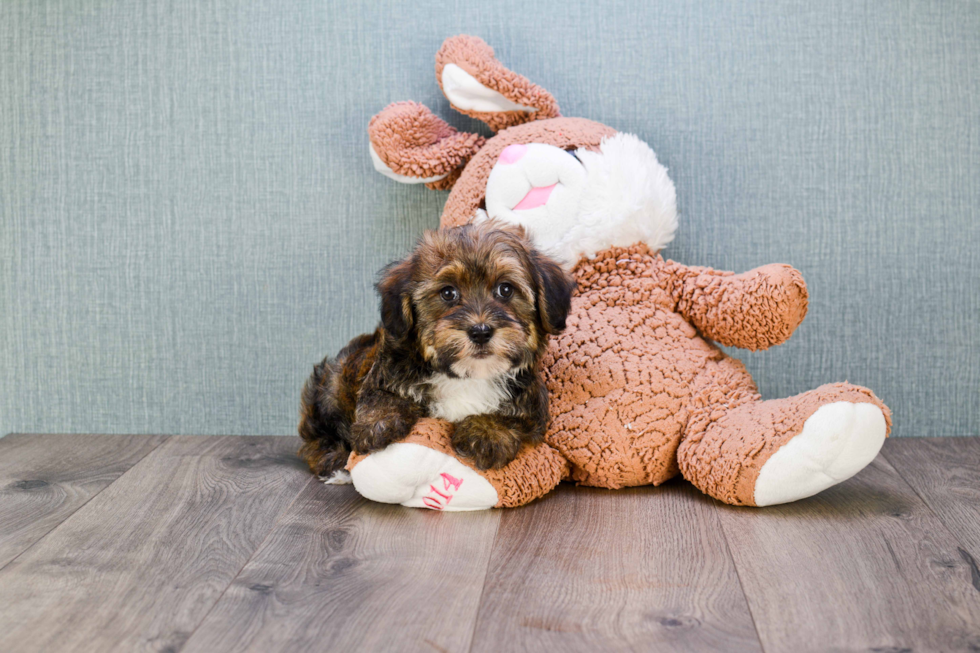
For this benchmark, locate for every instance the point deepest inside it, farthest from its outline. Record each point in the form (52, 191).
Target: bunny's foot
(764, 453)
(423, 472)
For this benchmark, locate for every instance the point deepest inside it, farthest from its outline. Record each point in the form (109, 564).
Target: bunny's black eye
(504, 290)
(449, 294)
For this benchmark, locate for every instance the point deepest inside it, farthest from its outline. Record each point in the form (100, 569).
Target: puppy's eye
(449, 294)
(504, 290)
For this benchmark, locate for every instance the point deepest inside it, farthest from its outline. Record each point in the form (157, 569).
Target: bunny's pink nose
(512, 153)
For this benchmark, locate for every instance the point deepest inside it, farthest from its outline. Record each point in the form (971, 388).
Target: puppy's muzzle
(480, 334)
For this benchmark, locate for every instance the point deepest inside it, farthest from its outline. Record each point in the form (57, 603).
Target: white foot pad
(837, 442)
(420, 477)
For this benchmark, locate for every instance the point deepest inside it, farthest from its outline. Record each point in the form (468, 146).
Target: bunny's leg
(744, 451)
(422, 471)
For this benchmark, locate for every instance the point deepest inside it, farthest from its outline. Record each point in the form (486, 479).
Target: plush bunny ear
(411, 145)
(482, 88)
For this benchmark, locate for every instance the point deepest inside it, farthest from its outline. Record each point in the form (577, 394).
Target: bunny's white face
(576, 203)
(538, 186)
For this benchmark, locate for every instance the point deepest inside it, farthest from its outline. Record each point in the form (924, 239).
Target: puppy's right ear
(554, 292)
(396, 299)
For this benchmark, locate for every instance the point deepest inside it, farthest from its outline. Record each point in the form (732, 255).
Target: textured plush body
(638, 394)
(639, 389)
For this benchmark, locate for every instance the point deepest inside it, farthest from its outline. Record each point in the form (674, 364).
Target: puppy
(464, 322)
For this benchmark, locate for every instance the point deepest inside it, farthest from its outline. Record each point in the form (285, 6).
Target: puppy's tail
(322, 424)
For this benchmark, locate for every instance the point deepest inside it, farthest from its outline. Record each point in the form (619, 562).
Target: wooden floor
(228, 544)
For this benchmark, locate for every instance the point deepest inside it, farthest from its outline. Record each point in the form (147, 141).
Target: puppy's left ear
(554, 292)
(396, 300)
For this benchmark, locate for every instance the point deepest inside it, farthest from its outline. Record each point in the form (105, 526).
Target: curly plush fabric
(477, 58)
(534, 473)
(414, 142)
(630, 379)
(731, 435)
(715, 303)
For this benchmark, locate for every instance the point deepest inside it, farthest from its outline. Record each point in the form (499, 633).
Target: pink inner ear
(512, 153)
(535, 197)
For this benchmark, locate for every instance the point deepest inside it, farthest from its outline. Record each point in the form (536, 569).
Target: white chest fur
(453, 399)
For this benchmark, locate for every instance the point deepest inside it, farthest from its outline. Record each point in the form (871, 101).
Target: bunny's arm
(753, 310)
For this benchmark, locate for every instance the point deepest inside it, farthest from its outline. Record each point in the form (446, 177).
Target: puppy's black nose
(480, 333)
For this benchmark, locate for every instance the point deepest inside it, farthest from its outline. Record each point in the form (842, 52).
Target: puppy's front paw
(374, 436)
(489, 444)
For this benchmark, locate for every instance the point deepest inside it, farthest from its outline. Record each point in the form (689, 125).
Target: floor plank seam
(166, 438)
(486, 572)
(898, 471)
(741, 586)
(238, 573)
(925, 501)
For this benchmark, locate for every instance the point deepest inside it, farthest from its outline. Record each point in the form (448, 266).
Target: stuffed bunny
(639, 391)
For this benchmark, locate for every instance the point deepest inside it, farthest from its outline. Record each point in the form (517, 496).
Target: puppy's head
(477, 300)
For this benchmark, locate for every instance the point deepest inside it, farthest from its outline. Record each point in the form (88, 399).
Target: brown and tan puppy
(465, 320)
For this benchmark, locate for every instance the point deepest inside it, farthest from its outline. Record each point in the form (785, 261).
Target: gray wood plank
(596, 570)
(340, 573)
(138, 567)
(863, 566)
(45, 478)
(945, 472)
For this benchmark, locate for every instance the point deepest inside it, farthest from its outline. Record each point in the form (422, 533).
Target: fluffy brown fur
(471, 305)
